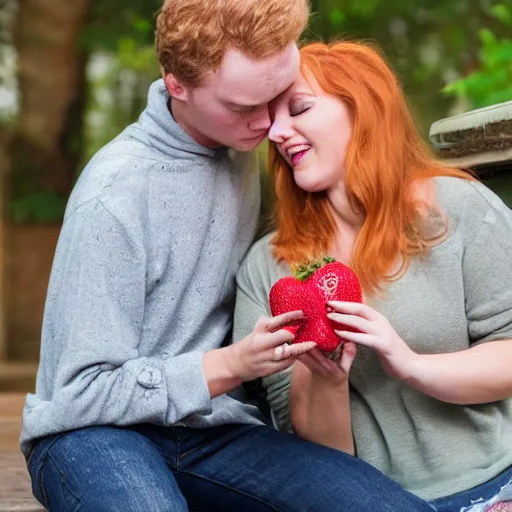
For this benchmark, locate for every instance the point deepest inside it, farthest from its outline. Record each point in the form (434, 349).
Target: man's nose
(261, 120)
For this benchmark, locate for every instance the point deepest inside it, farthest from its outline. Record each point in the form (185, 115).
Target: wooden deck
(15, 491)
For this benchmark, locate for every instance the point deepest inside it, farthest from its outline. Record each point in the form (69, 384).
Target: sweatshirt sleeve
(93, 327)
(487, 269)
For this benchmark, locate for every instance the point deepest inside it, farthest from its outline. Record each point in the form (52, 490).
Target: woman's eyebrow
(303, 94)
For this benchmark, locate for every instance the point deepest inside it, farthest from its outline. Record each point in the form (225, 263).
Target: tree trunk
(4, 163)
(51, 75)
(45, 153)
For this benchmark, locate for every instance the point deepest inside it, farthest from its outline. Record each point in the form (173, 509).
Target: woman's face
(311, 130)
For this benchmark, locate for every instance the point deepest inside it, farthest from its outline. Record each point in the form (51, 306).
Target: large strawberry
(312, 287)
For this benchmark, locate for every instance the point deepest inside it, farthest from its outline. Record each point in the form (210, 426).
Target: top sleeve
(487, 270)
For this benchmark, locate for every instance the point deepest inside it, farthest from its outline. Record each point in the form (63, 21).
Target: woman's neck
(348, 224)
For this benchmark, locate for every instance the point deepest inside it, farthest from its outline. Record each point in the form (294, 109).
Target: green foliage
(38, 208)
(427, 42)
(114, 19)
(133, 62)
(492, 82)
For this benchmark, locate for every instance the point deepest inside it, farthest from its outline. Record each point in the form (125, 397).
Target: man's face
(230, 107)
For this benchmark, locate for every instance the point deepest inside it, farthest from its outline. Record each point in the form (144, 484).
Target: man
(138, 405)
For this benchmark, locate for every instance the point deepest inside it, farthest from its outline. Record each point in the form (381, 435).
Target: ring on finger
(282, 352)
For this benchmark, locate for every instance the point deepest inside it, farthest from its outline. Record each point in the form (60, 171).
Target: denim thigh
(482, 498)
(256, 468)
(102, 469)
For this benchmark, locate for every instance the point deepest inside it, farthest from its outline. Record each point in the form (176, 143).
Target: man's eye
(242, 110)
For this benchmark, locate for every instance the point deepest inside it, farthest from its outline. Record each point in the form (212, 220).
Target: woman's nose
(279, 131)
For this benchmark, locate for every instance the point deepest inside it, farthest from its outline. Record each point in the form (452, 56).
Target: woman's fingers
(310, 363)
(347, 356)
(359, 338)
(356, 322)
(354, 308)
(323, 360)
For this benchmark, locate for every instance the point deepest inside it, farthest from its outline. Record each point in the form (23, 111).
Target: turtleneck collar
(165, 134)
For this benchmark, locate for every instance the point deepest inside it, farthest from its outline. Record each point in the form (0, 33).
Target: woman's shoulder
(466, 195)
(466, 203)
(262, 247)
(260, 253)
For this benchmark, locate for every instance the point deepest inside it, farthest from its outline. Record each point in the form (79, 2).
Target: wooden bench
(15, 489)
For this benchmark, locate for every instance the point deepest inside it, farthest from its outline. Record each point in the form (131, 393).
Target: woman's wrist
(334, 387)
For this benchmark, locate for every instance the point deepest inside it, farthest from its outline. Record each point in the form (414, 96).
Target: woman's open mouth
(297, 153)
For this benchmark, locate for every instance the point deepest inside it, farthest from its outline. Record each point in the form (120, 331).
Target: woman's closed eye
(299, 107)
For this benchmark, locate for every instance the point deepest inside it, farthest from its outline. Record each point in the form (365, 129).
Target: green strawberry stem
(307, 269)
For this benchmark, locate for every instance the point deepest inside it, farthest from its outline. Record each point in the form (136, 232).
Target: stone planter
(480, 140)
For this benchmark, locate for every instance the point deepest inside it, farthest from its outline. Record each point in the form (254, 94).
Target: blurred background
(74, 73)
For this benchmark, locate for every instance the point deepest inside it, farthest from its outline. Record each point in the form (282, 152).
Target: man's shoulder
(121, 171)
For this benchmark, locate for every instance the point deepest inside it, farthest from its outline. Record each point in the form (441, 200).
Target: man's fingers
(300, 348)
(286, 351)
(279, 321)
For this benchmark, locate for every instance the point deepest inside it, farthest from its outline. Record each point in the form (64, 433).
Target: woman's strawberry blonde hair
(192, 36)
(384, 156)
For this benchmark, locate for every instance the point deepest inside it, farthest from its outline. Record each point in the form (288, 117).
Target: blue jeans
(147, 468)
(479, 498)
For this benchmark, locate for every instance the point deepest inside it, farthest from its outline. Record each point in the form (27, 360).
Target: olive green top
(458, 295)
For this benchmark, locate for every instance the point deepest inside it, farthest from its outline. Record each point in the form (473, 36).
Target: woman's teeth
(296, 149)
(297, 156)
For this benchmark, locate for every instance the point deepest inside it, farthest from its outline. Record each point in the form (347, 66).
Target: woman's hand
(334, 373)
(375, 332)
(320, 398)
(266, 349)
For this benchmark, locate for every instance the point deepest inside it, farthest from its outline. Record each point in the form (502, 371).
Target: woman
(429, 389)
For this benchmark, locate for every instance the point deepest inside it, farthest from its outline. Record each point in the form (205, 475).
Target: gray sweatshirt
(142, 283)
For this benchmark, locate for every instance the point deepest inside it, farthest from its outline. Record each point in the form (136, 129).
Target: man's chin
(248, 144)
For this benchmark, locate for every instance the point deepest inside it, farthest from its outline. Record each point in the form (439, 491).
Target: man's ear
(175, 88)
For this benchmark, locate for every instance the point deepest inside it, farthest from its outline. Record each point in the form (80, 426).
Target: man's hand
(266, 349)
